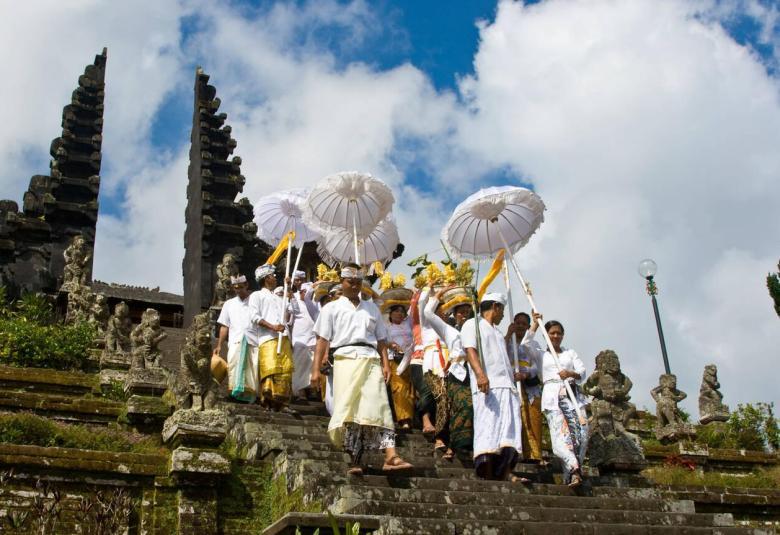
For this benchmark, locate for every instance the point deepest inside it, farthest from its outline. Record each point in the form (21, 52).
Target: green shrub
(29, 336)
(32, 430)
(30, 344)
(750, 427)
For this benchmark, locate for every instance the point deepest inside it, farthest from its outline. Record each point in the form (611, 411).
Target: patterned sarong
(242, 371)
(275, 372)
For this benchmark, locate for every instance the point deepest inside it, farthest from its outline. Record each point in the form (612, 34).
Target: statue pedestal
(675, 432)
(714, 416)
(188, 427)
(146, 382)
(616, 453)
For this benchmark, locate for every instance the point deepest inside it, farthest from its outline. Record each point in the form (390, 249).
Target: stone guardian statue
(670, 426)
(711, 407)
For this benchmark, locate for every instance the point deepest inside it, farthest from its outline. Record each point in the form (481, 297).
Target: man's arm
(482, 381)
(320, 353)
(382, 348)
(221, 341)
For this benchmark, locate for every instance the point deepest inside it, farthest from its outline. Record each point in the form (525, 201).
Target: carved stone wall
(64, 203)
(215, 222)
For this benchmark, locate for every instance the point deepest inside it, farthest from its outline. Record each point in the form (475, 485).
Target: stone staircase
(440, 496)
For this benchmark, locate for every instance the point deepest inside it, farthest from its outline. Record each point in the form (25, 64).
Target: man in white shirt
(303, 337)
(237, 329)
(529, 357)
(497, 428)
(355, 333)
(275, 359)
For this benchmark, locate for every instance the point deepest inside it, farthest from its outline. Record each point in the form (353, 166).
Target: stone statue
(670, 426)
(145, 339)
(77, 259)
(99, 313)
(611, 445)
(118, 331)
(195, 388)
(223, 289)
(711, 407)
(80, 298)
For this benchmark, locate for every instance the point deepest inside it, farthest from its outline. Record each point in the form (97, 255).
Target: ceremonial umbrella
(496, 218)
(277, 216)
(350, 201)
(379, 245)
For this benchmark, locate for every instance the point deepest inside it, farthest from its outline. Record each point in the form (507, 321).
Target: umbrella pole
(518, 384)
(544, 331)
(354, 233)
(286, 295)
(477, 317)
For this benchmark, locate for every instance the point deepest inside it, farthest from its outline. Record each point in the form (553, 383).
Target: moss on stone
(251, 499)
(679, 476)
(28, 429)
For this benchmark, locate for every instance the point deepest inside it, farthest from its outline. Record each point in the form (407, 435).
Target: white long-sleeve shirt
(450, 335)
(267, 306)
(569, 360)
(303, 323)
(529, 353)
(401, 334)
(496, 361)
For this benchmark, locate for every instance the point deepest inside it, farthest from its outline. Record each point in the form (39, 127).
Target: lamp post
(647, 270)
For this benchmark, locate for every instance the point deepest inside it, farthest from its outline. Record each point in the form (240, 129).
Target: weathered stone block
(115, 361)
(196, 428)
(109, 376)
(192, 461)
(147, 410)
(146, 381)
(616, 452)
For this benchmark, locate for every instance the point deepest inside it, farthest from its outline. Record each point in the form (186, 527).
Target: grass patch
(679, 476)
(32, 430)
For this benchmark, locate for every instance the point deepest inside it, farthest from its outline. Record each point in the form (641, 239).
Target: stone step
(530, 514)
(480, 485)
(457, 497)
(427, 526)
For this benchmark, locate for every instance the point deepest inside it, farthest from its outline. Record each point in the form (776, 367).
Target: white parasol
(352, 201)
(338, 245)
(279, 213)
(276, 216)
(496, 218)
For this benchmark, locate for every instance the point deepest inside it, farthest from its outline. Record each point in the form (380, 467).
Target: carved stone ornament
(711, 407)
(145, 339)
(77, 260)
(611, 445)
(195, 387)
(670, 426)
(223, 289)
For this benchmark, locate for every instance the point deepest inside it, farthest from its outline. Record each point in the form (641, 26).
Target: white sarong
(496, 421)
(303, 356)
(247, 376)
(359, 396)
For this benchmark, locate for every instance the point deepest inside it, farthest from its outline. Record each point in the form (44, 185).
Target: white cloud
(646, 129)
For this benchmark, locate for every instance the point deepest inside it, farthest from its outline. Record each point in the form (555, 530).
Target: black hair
(522, 314)
(396, 307)
(554, 323)
(484, 306)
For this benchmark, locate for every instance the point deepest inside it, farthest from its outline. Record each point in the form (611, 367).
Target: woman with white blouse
(568, 433)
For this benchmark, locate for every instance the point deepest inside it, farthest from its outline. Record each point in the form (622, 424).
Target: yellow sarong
(275, 371)
(359, 396)
(403, 394)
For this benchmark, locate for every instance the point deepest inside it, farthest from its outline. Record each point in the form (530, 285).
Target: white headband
(351, 273)
(495, 297)
(299, 275)
(263, 271)
(241, 279)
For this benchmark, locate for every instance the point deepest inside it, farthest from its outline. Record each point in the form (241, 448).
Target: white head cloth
(279, 290)
(241, 279)
(306, 286)
(495, 297)
(263, 271)
(348, 272)
(299, 275)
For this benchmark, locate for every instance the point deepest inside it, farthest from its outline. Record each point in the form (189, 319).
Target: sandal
(395, 463)
(355, 471)
(519, 479)
(576, 481)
